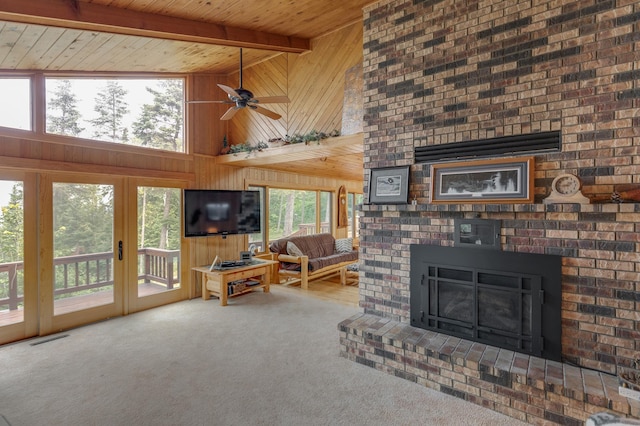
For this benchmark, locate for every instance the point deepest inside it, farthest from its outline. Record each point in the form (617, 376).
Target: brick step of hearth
(521, 386)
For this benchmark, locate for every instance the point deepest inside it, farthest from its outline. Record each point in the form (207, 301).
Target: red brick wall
(438, 72)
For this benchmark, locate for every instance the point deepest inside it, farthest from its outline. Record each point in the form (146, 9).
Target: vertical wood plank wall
(314, 82)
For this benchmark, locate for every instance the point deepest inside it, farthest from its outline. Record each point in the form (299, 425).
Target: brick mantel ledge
(508, 208)
(524, 387)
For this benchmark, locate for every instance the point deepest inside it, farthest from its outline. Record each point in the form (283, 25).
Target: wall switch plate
(629, 393)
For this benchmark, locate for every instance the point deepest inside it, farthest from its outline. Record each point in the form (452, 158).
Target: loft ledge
(330, 147)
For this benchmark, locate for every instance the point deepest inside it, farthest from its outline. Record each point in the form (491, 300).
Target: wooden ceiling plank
(108, 42)
(56, 48)
(11, 34)
(22, 47)
(38, 49)
(86, 41)
(121, 51)
(89, 16)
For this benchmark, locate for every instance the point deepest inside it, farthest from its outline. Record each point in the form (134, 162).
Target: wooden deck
(78, 303)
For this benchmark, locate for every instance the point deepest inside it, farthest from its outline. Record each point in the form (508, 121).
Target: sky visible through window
(86, 90)
(15, 103)
(5, 191)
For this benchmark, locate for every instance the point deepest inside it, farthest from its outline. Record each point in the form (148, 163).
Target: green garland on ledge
(312, 136)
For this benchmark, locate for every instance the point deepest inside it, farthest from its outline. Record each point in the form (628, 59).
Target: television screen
(221, 212)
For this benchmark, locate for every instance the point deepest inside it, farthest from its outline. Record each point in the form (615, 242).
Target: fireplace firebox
(504, 299)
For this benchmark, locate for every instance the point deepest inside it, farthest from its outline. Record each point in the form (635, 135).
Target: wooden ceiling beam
(88, 16)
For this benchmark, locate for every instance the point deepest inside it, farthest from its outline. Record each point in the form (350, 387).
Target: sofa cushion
(316, 245)
(332, 259)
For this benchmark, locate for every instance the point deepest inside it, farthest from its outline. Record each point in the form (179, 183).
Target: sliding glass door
(158, 232)
(18, 278)
(81, 278)
(83, 246)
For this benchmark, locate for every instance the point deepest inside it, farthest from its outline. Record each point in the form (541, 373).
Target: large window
(141, 112)
(300, 212)
(293, 212)
(15, 102)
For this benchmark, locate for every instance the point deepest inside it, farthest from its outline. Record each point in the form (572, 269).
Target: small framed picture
(500, 180)
(389, 185)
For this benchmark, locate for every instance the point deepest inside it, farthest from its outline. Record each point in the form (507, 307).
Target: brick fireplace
(440, 72)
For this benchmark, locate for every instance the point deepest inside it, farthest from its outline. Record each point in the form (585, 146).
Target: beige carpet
(266, 359)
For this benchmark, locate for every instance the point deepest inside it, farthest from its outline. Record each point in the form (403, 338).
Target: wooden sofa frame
(303, 276)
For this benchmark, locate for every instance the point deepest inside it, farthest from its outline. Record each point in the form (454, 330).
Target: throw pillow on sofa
(293, 250)
(344, 245)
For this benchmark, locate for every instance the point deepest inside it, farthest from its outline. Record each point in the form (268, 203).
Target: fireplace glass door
(503, 299)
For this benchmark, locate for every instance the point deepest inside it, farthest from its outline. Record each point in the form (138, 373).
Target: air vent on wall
(515, 144)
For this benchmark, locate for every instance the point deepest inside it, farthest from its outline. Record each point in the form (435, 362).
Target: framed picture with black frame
(389, 185)
(498, 180)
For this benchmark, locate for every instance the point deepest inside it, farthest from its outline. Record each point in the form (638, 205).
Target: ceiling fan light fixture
(242, 98)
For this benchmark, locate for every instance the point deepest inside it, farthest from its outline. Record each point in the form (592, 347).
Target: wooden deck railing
(90, 271)
(13, 299)
(159, 266)
(310, 228)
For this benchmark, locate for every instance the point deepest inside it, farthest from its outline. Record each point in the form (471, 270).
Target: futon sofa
(304, 258)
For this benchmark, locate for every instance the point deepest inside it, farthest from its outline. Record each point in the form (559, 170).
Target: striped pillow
(344, 245)
(293, 250)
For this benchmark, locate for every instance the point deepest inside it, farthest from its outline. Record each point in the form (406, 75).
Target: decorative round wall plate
(565, 188)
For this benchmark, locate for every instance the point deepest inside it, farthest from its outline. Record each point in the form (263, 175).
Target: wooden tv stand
(216, 282)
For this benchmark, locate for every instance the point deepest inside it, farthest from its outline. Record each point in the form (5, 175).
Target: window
(299, 212)
(353, 200)
(257, 239)
(140, 112)
(292, 212)
(325, 212)
(15, 102)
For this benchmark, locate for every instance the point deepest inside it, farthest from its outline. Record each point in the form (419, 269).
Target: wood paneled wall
(204, 129)
(314, 82)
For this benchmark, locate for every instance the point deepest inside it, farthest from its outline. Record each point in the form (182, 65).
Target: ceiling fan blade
(272, 100)
(229, 90)
(266, 112)
(230, 113)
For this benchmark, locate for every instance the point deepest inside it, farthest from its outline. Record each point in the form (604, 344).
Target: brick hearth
(527, 388)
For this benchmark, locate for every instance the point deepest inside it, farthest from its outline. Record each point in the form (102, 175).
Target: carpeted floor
(266, 359)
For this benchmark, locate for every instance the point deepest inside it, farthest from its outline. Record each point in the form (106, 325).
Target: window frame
(333, 194)
(38, 113)
(32, 115)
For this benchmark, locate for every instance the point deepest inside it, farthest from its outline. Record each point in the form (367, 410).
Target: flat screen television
(221, 212)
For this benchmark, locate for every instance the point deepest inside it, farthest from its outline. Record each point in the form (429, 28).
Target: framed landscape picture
(389, 185)
(500, 180)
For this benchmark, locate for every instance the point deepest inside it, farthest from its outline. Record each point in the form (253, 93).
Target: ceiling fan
(242, 98)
